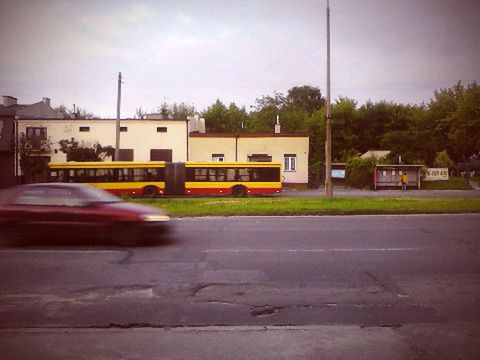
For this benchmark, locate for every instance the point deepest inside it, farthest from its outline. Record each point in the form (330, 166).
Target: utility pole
(117, 131)
(328, 140)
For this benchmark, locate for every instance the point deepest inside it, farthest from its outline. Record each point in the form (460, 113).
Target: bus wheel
(150, 191)
(238, 191)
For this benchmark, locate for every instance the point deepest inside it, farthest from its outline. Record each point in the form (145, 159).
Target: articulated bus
(156, 178)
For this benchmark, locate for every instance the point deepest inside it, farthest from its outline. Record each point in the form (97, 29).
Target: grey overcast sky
(200, 50)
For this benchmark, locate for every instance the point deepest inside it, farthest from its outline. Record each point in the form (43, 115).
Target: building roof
(10, 110)
(32, 111)
(376, 154)
(398, 166)
(248, 135)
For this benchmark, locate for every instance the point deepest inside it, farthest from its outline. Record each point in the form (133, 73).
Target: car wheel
(126, 236)
(13, 235)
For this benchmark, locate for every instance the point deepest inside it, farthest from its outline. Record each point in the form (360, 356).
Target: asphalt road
(351, 287)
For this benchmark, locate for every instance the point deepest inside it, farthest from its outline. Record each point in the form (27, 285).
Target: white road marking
(311, 250)
(35, 251)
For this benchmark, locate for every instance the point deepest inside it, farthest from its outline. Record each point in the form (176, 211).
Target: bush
(359, 172)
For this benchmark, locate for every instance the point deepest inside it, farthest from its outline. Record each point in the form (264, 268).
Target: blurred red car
(63, 210)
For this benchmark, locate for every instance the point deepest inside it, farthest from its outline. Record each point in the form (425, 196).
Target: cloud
(114, 22)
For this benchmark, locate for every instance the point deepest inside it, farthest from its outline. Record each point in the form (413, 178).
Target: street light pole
(117, 131)
(328, 140)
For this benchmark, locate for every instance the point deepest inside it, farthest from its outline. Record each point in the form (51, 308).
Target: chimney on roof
(9, 100)
(277, 125)
(46, 101)
(201, 125)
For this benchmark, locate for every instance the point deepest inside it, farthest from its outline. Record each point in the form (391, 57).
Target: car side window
(32, 196)
(50, 197)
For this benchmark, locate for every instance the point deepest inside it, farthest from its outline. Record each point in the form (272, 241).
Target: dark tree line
(447, 125)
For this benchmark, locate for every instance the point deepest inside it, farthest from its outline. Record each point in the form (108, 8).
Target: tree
(305, 98)
(464, 125)
(344, 140)
(30, 159)
(139, 113)
(79, 113)
(84, 151)
(443, 160)
(456, 112)
(219, 118)
(182, 110)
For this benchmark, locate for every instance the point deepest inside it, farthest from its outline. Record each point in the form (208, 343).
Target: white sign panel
(338, 174)
(436, 174)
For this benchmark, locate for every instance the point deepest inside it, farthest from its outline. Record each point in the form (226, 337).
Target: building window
(161, 129)
(36, 136)
(290, 162)
(161, 155)
(125, 155)
(84, 128)
(1, 129)
(123, 129)
(218, 157)
(260, 157)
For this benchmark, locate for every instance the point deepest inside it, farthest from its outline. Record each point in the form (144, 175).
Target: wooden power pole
(328, 140)
(117, 131)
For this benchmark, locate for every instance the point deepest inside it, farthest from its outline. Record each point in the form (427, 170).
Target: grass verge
(187, 207)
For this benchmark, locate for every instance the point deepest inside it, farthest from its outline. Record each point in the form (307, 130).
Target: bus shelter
(389, 176)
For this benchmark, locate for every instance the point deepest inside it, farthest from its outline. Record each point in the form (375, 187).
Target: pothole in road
(265, 310)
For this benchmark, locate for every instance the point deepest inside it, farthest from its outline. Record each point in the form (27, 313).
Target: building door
(37, 169)
(175, 179)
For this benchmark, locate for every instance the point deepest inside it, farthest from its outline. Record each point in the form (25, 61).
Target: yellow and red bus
(155, 178)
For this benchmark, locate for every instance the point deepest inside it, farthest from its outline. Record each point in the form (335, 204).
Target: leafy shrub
(359, 172)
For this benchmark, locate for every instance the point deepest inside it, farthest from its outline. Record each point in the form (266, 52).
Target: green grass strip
(191, 207)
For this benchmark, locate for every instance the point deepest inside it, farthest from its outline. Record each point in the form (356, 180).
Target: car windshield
(96, 195)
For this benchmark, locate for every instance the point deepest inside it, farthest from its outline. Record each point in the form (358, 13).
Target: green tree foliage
(344, 140)
(463, 139)
(83, 151)
(265, 111)
(443, 160)
(181, 110)
(305, 98)
(359, 171)
(220, 118)
(294, 110)
(30, 162)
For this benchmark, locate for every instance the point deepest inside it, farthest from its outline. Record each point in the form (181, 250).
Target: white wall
(141, 135)
(202, 148)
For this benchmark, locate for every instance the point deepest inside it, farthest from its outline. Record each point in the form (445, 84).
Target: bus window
(221, 174)
(125, 175)
(243, 175)
(155, 174)
(270, 174)
(200, 174)
(139, 175)
(105, 175)
(230, 174)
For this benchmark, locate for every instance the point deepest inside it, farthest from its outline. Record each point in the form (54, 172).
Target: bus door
(174, 178)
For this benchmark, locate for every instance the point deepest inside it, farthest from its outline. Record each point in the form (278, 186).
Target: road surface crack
(264, 310)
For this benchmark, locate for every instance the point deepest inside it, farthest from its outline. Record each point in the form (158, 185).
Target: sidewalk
(343, 192)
